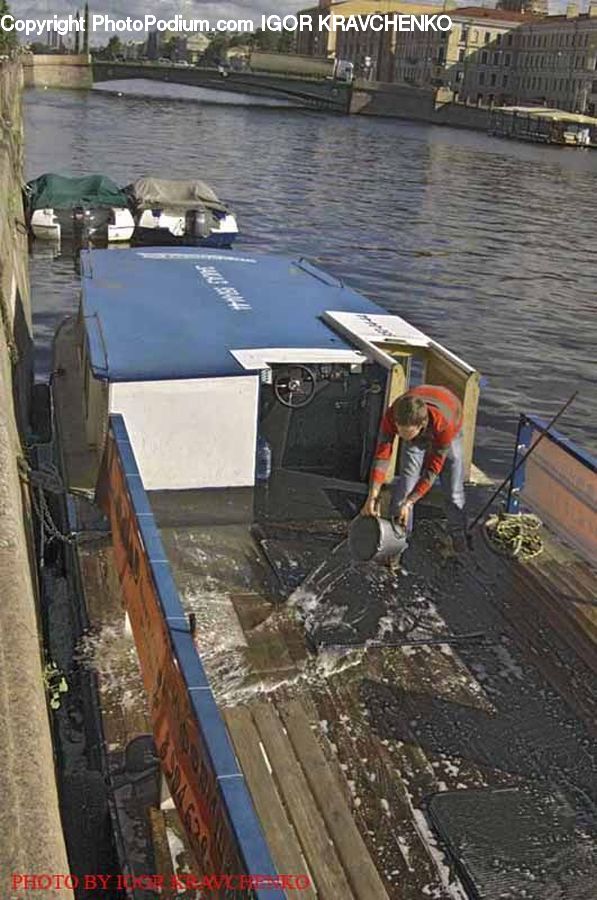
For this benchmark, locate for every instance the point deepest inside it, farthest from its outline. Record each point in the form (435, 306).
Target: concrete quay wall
(58, 71)
(419, 104)
(30, 823)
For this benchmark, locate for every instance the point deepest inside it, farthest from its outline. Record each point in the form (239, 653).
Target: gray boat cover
(158, 193)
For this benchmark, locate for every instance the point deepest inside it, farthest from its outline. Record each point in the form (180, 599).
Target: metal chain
(46, 522)
(48, 479)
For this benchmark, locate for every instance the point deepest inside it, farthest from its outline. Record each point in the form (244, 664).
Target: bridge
(325, 95)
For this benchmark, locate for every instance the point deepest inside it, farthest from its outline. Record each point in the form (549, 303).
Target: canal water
(487, 245)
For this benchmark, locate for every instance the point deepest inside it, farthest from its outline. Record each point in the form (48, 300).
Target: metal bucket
(373, 539)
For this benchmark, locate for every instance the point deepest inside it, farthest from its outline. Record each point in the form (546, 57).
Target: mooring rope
(516, 535)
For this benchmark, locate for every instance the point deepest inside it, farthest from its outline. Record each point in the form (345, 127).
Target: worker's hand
(371, 506)
(404, 513)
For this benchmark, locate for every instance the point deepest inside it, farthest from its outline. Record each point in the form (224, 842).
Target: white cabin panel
(197, 433)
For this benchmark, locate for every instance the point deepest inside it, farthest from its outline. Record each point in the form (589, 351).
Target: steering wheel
(295, 387)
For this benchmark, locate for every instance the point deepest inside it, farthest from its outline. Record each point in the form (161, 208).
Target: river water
(487, 245)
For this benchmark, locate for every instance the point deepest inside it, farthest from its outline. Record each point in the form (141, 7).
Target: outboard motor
(198, 223)
(82, 225)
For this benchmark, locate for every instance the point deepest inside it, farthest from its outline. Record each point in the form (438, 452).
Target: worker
(428, 418)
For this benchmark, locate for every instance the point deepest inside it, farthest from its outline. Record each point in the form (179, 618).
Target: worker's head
(410, 415)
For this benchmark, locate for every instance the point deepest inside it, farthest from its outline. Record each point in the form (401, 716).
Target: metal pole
(520, 462)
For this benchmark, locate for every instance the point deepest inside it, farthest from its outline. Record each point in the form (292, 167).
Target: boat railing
(192, 743)
(559, 483)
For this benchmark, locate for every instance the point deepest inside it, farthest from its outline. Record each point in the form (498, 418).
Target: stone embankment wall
(29, 815)
(419, 104)
(58, 71)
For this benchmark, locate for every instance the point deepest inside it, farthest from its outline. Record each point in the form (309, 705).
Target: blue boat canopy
(154, 314)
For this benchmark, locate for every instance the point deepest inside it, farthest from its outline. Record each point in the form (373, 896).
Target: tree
(286, 42)
(8, 39)
(215, 53)
(78, 34)
(39, 47)
(264, 39)
(86, 32)
(112, 49)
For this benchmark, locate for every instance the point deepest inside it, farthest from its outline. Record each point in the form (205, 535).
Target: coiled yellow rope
(516, 535)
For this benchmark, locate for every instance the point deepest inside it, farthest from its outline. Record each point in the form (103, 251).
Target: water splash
(111, 653)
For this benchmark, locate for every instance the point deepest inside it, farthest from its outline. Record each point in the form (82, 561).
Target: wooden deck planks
(352, 851)
(279, 833)
(384, 811)
(326, 869)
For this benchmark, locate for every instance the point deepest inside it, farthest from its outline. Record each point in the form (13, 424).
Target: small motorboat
(179, 212)
(87, 209)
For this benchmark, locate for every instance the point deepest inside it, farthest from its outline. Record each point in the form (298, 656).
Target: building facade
(474, 59)
(534, 7)
(374, 53)
(371, 51)
(555, 61)
(313, 41)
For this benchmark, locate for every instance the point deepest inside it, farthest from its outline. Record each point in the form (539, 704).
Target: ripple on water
(488, 245)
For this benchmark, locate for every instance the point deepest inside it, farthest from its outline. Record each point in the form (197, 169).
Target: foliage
(264, 39)
(40, 47)
(112, 49)
(215, 53)
(8, 39)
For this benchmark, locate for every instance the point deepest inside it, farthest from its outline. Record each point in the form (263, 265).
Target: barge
(343, 730)
(544, 126)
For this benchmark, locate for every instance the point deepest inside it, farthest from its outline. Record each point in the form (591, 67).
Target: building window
(493, 79)
(496, 59)
(504, 80)
(459, 75)
(441, 56)
(461, 53)
(464, 33)
(482, 78)
(487, 36)
(509, 40)
(484, 56)
(507, 59)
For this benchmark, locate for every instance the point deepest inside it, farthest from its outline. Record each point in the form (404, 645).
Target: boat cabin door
(410, 357)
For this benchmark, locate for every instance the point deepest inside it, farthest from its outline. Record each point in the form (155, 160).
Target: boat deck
(483, 690)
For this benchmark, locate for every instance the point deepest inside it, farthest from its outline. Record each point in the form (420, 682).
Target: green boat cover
(58, 192)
